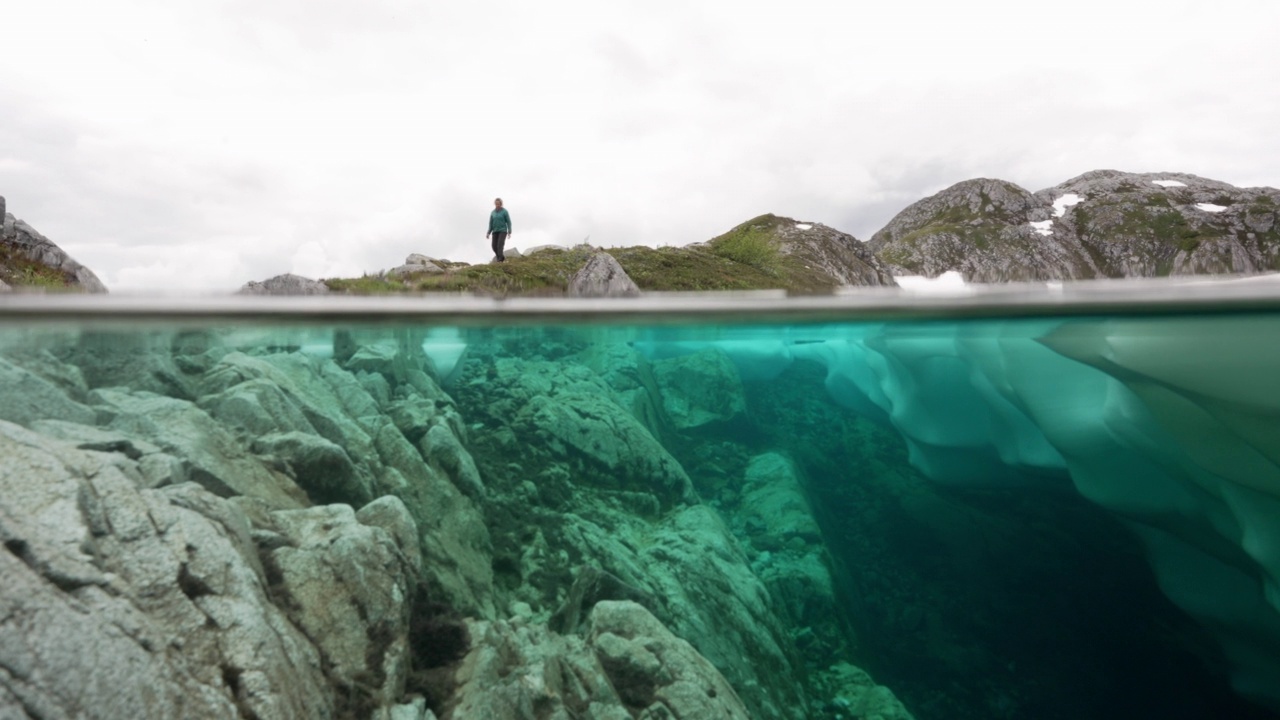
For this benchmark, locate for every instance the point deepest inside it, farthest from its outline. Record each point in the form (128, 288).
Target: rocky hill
(29, 259)
(766, 252)
(1101, 224)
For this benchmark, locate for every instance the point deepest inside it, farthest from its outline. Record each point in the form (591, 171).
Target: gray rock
(700, 389)
(25, 397)
(291, 392)
(210, 455)
(4, 287)
(120, 602)
(139, 361)
(414, 268)
(287, 284)
(1122, 225)
(321, 468)
(629, 666)
(602, 276)
(653, 670)
(541, 248)
(839, 256)
(607, 445)
(418, 259)
(38, 248)
(349, 587)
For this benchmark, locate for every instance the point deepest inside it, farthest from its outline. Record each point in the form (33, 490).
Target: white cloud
(336, 139)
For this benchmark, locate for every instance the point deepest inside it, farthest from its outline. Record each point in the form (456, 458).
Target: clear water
(1012, 514)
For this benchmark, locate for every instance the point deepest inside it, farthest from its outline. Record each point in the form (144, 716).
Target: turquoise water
(1019, 515)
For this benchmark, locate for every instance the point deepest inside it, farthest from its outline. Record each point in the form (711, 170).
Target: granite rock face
(20, 238)
(287, 284)
(1101, 224)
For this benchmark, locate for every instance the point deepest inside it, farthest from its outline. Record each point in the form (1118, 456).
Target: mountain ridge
(1101, 224)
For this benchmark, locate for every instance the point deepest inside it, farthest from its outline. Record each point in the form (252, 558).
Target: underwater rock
(652, 668)
(699, 389)
(120, 602)
(138, 361)
(774, 515)
(210, 455)
(321, 468)
(349, 587)
(628, 666)
(773, 506)
(26, 397)
(290, 392)
(609, 446)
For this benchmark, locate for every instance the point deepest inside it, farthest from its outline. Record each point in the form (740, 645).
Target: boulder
(321, 468)
(210, 455)
(127, 602)
(415, 268)
(26, 397)
(655, 672)
(349, 587)
(4, 287)
(138, 361)
(287, 284)
(605, 444)
(628, 666)
(700, 389)
(540, 248)
(602, 276)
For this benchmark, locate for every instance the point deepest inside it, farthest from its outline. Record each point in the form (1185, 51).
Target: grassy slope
(744, 258)
(19, 272)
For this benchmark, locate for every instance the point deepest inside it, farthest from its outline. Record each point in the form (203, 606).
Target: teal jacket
(499, 221)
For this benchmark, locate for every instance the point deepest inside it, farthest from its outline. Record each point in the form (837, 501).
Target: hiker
(499, 228)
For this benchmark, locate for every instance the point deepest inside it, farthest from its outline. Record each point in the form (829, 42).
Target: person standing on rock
(499, 228)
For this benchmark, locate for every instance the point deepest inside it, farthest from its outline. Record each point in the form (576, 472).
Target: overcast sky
(194, 146)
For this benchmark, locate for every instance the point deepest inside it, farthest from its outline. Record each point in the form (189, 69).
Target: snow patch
(803, 226)
(1168, 183)
(1210, 207)
(1043, 227)
(1061, 204)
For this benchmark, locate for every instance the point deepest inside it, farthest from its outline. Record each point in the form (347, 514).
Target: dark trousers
(499, 239)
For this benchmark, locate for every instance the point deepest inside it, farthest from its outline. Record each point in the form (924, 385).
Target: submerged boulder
(628, 665)
(700, 389)
(128, 602)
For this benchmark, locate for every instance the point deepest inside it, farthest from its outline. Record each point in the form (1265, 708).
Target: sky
(192, 147)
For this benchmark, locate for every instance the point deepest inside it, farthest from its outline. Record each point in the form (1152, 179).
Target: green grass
(19, 271)
(750, 245)
(742, 261)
